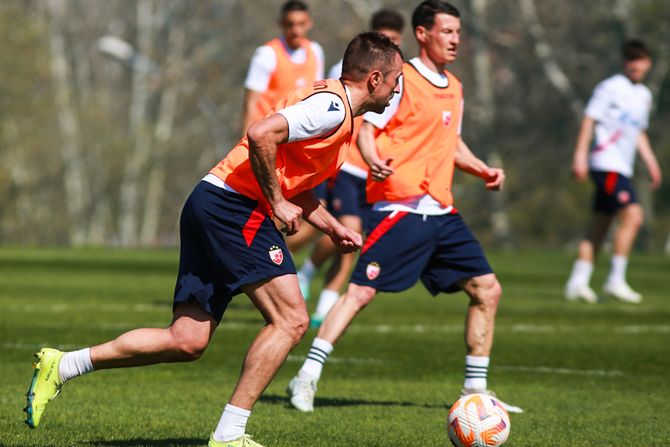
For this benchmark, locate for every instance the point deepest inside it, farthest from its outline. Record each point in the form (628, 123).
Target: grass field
(587, 375)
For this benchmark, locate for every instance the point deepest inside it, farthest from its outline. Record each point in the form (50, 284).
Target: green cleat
(44, 386)
(242, 441)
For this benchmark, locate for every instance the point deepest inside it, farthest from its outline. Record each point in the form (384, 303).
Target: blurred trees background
(111, 111)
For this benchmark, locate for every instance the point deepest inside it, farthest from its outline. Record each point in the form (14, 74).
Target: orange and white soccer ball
(478, 420)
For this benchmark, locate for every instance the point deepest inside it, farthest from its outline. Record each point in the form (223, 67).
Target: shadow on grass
(149, 443)
(330, 402)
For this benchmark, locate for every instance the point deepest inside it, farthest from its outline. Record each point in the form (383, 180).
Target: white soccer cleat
(301, 392)
(575, 292)
(622, 291)
(506, 406)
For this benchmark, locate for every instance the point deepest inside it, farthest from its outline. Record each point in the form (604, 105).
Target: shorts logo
(372, 270)
(446, 117)
(276, 255)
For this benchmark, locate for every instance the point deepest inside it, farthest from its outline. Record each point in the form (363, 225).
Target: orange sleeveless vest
(300, 165)
(354, 156)
(421, 138)
(287, 76)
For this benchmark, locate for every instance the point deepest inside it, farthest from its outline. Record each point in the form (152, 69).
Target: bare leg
(343, 312)
(589, 248)
(484, 292)
(280, 302)
(304, 236)
(338, 276)
(632, 218)
(185, 340)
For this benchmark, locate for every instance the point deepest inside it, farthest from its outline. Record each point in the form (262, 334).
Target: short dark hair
(293, 5)
(368, 51)
(424, 14)
(387, 19)
(634, 49)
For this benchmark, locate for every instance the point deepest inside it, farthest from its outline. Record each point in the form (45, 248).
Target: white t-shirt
(620, 109)
(424, 204)
(264, 62)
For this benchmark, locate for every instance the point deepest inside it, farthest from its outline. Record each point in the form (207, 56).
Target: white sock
(308, 269)
(316, 357)
(327, 299)
(476, 370)
(74, 364)
(618, 269)
(581, 273)
(232, 424)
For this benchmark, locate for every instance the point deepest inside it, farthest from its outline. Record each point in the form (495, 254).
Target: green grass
(587, 375)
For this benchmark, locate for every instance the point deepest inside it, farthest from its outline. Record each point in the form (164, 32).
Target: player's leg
(390, 261)
(631, 219)
(303, 387)
(281, 304)
(337, 275)
(605, 206)
(185, 340)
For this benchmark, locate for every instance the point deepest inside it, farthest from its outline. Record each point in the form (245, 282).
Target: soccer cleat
(622, 291)
(243, 441)
(301, 392)
(580, 292)
(316, 320)
(506, 406)
(304, 283)
(44, 386)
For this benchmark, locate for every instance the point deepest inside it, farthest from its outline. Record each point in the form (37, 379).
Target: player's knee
(634, 216)
(359, 297)
(191, 348)
(485, 291)
(296, 325)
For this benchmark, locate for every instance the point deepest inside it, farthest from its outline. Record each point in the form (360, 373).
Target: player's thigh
(279, 300)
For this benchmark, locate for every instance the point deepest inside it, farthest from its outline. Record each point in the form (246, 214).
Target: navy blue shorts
(613, 192)
(347, 197)
(227, 241)
(404, 247)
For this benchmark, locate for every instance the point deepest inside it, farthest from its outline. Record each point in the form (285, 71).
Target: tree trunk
(129, 206)
(484, 113)
(162, 135)
(71, 153)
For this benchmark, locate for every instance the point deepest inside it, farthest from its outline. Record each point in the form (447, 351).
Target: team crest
(446, 117)
(372, 270)
(276, 255)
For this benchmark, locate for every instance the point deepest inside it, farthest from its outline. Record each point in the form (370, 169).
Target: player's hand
(381, 169)
(289, 215)
(656, 178)
(494, 178)
(580, 168)
(346, 240)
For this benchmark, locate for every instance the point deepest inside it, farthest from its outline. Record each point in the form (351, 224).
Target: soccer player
(612, 131)
(346, 197)
(229, 243)
(282, 64)
(414, 231)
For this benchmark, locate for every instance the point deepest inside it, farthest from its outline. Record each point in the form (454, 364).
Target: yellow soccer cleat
(242, 441)
(44, 386)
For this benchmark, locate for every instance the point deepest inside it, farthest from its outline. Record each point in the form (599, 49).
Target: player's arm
(580, 159)
(316, 214)
(466, 161)
(650, 161)
(250, 99)
(379, 169)
(264, 136)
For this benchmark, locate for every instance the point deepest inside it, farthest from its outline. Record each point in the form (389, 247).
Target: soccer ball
(478, 420)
